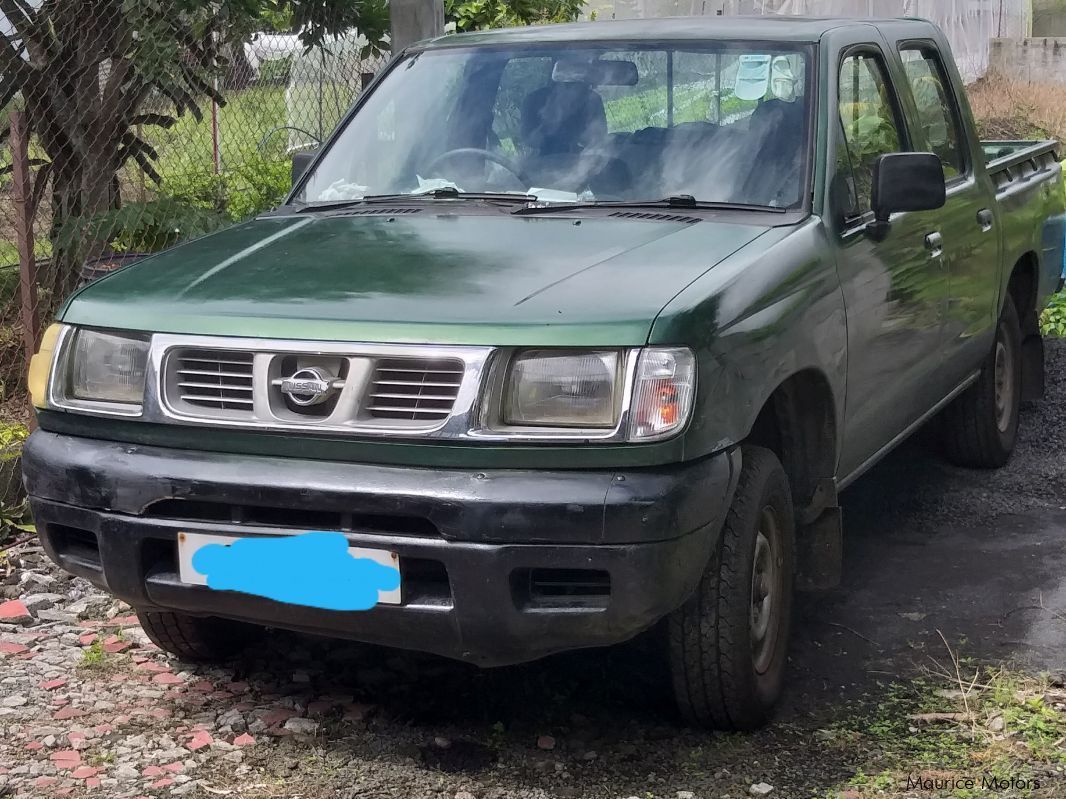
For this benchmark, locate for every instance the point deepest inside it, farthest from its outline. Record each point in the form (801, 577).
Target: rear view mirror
(300, 162)
(907, 182)
(607, 72)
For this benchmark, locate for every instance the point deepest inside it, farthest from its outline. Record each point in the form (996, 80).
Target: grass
(100, 759)
(1006, 109)
(245, 120)
(93, 657)
(250, 128)
(960, 730)
(9, 253)
(254, 160)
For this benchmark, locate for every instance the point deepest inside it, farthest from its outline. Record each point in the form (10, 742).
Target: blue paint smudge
(313, 569)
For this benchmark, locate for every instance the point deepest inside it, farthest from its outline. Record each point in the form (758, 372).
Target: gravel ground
(936, 557)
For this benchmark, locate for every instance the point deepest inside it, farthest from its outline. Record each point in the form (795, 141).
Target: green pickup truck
(581, 328)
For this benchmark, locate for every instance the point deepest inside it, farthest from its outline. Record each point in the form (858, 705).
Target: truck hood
(420, 276)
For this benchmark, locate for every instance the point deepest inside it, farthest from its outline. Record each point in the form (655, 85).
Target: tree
(470, 15)
(84, 69)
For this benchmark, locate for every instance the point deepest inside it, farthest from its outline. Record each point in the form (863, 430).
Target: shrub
(189, 206)
(1053, 321)
(14, 509)
(1006, 109)
(147, 226)
(257, 185)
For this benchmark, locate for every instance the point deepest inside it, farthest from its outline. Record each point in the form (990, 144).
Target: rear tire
(200, 639)
(981, 425)
(728, 643)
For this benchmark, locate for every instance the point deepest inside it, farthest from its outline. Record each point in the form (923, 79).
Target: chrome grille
(414, 389)
(217, 379)
(376, 389)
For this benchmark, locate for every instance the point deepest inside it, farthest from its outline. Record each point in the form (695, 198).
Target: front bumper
(497, 566)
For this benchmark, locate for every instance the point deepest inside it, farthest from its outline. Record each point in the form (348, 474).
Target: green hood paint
(425, 277)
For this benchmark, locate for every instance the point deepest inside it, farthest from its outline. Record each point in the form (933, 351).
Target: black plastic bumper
(498, 566)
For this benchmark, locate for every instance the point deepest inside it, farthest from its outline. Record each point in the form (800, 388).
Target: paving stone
(34, 603)
(14, 612)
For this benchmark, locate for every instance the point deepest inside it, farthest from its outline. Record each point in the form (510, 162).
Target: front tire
(728, 643)
(199, 639)
(981, 425)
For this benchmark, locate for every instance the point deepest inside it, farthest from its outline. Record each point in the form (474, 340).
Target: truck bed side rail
(1011, 162)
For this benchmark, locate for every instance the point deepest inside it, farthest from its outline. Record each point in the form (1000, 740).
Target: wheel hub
(765, 591)
(1004, 386)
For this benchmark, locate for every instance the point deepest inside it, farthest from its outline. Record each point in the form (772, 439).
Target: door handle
(985, 219)
(934, 242)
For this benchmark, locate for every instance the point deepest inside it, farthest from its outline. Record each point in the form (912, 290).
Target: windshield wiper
(444, 193)
(673, 201)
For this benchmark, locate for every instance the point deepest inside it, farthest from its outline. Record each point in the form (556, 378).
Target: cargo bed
(1018, 159)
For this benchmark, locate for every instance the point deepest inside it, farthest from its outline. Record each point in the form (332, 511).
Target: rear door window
(937, 115)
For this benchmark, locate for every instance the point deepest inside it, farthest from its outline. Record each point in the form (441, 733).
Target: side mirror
(300, 162)
(907, 182)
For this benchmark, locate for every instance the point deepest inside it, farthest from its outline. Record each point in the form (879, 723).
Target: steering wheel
(486, 155)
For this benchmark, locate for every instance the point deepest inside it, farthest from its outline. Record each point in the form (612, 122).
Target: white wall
(969, 24)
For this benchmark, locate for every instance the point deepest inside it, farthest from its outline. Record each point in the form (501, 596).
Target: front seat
(559, 122)
(563, 118)
(777, 133)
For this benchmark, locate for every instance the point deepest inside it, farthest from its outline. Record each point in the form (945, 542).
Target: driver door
(894, 287)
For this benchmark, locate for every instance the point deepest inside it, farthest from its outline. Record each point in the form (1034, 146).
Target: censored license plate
(190, 543)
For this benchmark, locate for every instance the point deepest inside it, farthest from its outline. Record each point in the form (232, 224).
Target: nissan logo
(310, 386)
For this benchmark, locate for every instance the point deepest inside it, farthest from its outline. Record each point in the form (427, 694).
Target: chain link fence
(137, 139)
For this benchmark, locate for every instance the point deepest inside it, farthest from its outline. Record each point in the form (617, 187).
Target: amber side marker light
(41, 366)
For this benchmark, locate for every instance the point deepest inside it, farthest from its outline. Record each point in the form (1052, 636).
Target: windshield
(723, 123)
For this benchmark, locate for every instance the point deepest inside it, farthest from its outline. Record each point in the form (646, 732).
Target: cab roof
(756, 28)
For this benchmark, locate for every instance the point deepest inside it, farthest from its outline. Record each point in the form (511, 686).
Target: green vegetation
(159, 50)
(957, 725)
(1053, 322)
(14, 509)
(472, 15)
(93, 657)
(186, 149)
(692, 103)
(191, 200)
(9, 253)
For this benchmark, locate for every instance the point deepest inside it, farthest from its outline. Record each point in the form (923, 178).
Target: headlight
(662, 393)
(547, 388)
(107, 367)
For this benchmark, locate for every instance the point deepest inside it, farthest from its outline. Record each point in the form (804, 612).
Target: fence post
(413, 20)
(23, 197)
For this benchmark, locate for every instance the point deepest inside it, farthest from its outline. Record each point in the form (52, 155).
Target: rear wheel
(981, 425)
(728, 644)
(200, 639)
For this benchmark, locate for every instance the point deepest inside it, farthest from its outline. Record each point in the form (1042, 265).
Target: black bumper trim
(497, 506)
(81, 489)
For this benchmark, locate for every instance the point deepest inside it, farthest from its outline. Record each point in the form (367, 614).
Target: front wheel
(728, 643)
(199, 639)
(981, 425)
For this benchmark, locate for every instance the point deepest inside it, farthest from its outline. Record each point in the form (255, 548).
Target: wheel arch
(1023, 286)
(798, 423)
